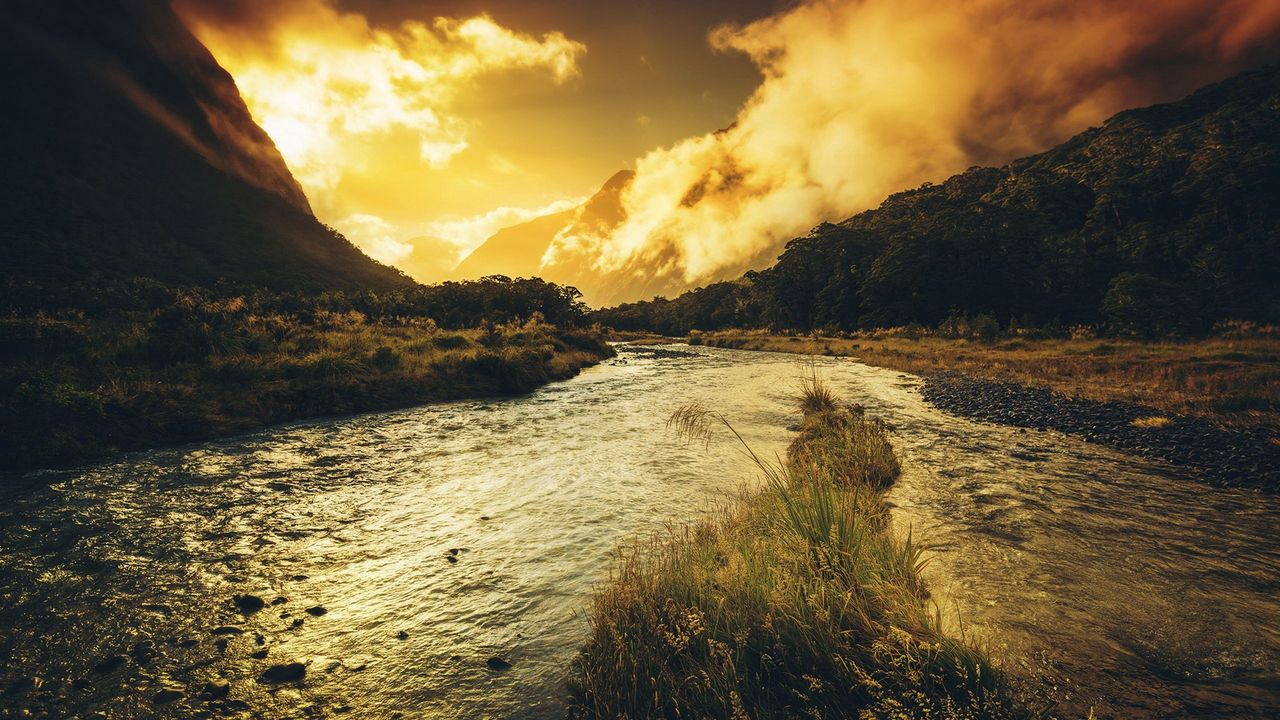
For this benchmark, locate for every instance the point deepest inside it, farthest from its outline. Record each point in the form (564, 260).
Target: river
(439, 537)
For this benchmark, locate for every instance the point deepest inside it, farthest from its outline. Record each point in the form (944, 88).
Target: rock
(497, 663)
(280, 600)
(236, 705)
(300, 577)
(287, 672)
(259, 654)
(402, 635)
(227, 630)
(249, 604)
(110, 665)
(452, 558)
(297, 623)
(216, 690)
(316, 610)
(188, 642)
(168, 695)
(259, 639)
(484, 517)
(221, 644)
(143, 652)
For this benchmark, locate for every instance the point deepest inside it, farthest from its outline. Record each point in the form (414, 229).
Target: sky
(747, 122)
(569, 94)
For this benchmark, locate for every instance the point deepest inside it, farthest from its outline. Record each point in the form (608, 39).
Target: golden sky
(455, 119)
(452, 119)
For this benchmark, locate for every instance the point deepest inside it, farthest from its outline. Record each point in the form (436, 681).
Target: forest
(1161, 222)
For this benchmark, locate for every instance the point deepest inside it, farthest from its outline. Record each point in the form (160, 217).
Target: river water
(1109, 582)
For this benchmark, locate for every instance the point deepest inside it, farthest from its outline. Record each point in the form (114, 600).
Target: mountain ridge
(139, 158)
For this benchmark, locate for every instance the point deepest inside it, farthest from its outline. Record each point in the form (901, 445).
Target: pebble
(497, 663)
(316, 610)
(287, 672)
(1234, 458)
(248, 604)
(227, 630)
(110, 665)
(167, 695)
(216, 689)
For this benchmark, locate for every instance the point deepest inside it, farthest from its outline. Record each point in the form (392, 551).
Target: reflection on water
(1127, 587)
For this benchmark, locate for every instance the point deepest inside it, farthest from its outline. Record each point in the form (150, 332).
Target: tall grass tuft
(815, 396)
(797, 601)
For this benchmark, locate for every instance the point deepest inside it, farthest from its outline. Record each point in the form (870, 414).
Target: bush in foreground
(798, 601)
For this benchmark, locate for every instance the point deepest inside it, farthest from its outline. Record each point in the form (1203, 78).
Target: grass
(77, 390)
(1232, 381)
(797, 601)
(1151, 422)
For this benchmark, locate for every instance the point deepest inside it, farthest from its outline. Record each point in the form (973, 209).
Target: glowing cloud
(863, 98)
(324, 83)
(470, 232)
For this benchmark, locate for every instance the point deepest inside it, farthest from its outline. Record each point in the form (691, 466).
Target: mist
(862, 99)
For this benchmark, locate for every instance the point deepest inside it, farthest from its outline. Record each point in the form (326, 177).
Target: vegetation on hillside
(1162, 222)
(797, 601)
(137, 364)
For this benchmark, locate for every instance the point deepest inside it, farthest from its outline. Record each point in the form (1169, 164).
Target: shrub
(385, 358)
(985, 329)
(451, 341)
(1142, 306)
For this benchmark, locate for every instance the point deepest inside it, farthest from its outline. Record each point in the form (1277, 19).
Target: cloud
(325, 83)
(862, 98)
(375, 236)
(469, 232)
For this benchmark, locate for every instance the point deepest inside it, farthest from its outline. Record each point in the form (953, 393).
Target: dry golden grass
(799, 601)
(1233, 381)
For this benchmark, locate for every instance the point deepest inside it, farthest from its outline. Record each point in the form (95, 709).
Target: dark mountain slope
(129, 152)
(1163, 220)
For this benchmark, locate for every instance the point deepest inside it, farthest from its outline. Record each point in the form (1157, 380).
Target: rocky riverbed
(1220, 457)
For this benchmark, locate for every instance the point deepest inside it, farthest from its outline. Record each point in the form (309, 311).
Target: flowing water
(1109, 582)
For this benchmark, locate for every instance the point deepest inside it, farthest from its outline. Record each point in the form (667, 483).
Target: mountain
(129, 152)
(519, 251)
(515, 251)
(1163, 220)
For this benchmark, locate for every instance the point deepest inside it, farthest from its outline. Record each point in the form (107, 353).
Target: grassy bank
(798, 601)
(75, 389)
(1233, 381)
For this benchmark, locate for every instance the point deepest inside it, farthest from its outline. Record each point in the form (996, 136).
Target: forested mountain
(129, 153)
(1163, 220)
